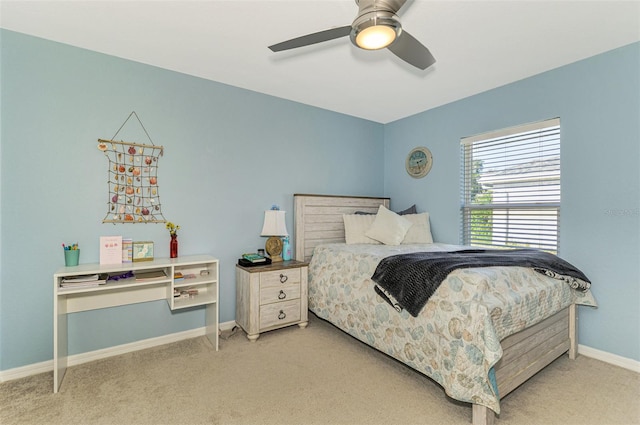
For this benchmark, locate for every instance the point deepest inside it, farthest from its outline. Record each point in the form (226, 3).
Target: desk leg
(59, 340)
(211, 313)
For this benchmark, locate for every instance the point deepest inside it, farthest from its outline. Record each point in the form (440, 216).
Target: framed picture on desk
(142, 251)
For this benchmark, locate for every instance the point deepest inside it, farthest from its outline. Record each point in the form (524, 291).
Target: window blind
(511, 187)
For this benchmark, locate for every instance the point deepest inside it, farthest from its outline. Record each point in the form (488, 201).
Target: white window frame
(512, 197)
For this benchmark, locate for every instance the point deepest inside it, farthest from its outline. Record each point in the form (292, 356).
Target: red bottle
(173, 246)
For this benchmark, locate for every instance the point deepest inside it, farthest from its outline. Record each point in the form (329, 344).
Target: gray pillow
(410, 210)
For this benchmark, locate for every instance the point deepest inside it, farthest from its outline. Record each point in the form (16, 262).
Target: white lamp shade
(274, 223)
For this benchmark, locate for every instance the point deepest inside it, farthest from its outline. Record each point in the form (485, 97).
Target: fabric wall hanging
(134, 195)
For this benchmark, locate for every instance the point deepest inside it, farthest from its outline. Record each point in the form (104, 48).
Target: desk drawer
(279, 314)
(279, 278)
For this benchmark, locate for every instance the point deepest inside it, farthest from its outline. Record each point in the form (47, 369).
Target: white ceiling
(478, 44)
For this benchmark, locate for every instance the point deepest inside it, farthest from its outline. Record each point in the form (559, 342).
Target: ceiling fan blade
(412, 51)
(314, 38)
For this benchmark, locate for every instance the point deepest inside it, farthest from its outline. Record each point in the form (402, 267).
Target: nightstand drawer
(279, 314)
(279, 278)
(281, 293)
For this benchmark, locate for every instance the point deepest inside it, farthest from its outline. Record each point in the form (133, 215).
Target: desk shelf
(111, 286)
(200, 289)
(197, 300)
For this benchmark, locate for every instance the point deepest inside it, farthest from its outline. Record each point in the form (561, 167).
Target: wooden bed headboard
(318, 219)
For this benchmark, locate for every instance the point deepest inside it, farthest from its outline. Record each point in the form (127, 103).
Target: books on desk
(81, 278)
(83, 281)
(92, 280)
(150, 275)
(178, 276)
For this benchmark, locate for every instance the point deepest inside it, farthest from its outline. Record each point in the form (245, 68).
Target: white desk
(203, 273)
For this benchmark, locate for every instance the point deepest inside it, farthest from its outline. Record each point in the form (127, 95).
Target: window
(511, 187)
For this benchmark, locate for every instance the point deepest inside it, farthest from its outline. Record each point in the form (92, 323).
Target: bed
(482, 333)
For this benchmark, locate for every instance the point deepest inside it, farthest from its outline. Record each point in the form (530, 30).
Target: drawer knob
(282, 295)
(282, 315)
(283, 278)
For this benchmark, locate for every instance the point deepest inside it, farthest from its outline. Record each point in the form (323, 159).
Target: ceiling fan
(376, 26)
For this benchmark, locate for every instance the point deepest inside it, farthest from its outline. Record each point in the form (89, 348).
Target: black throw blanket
(412, 278)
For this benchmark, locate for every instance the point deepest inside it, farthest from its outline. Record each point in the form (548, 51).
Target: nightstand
(271, 297)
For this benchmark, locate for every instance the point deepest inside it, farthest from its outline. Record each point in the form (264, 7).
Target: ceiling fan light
(376, 37)
(375, 30)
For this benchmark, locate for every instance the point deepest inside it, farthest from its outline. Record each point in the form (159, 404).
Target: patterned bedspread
(455, 340)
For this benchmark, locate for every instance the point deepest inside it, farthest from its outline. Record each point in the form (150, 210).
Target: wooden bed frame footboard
(318, 219)
(529, 351)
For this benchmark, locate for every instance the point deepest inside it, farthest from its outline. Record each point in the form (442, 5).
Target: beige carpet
(317, 375)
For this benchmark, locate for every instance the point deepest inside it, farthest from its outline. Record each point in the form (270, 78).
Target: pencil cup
(71, 257)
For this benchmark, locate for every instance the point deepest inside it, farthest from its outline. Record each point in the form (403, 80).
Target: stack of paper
(82, 281)
(150, 275)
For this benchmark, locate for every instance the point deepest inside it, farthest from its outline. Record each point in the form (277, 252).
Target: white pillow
(355, 226)
(420, 232)
(388, 227)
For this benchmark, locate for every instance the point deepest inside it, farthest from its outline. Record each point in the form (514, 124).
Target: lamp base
(274, 248)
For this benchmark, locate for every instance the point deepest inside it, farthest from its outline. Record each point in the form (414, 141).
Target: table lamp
(275, 227)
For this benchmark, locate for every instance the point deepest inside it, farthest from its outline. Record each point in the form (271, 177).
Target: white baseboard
(613, 359)
(76, 359)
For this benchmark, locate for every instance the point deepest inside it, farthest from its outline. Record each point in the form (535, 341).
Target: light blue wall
(229, 155)
(598, 102)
